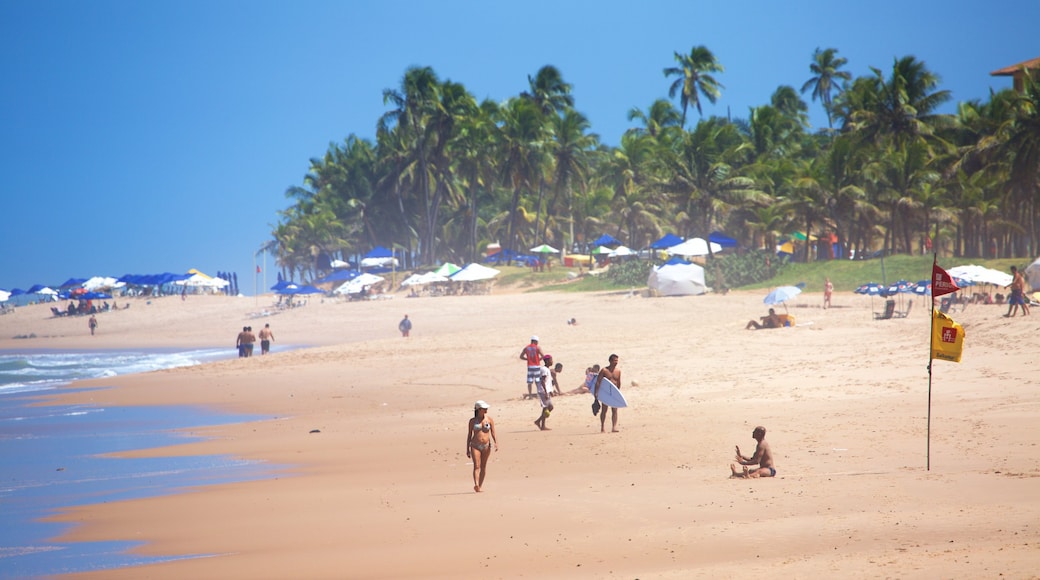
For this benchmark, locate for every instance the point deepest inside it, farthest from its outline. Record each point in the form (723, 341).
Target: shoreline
(843, 399)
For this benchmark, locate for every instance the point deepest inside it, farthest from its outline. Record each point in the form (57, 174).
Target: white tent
(677, 280)
(1032, 274)
(621, 251)
(474, 272)
(694, 247)
(357, 284)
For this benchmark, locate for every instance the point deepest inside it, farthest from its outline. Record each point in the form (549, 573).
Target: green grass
(846, 275)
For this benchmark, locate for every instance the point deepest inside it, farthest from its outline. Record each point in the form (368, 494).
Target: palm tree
(701, 177)
(570, 148)
(661, 117)
(825, 68)
(414, 104)
(1020, 138)
(902, 108)
(549, 91)
(695, 79)
(523, 155)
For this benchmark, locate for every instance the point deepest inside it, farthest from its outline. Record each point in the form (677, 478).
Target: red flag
(942, 283)
(258, 270)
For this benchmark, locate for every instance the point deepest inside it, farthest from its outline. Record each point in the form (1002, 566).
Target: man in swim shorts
(266, 336)
(532, 353)
(1018, 294)
(612, 373)
(763, 457)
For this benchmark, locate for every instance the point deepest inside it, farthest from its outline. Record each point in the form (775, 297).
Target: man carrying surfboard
(609, 377)
(532, 353)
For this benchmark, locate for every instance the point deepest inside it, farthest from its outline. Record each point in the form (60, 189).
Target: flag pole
(931, 353)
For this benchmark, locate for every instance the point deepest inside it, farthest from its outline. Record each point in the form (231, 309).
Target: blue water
(53, 457)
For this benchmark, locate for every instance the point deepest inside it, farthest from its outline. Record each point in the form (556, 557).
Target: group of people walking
(542, 382)
(246, 339)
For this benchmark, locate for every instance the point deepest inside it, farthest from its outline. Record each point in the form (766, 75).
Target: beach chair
(904, 313)
(890, 309)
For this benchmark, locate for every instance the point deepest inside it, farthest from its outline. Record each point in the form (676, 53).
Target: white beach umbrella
(420, 279)
(4, 295)
(357, 284)
(694, 247)
(99, 282)
(379, 262)
(621, 251)
(473, 273)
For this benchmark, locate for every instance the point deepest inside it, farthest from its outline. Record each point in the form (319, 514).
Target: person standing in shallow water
(92, 323)
(480, 434)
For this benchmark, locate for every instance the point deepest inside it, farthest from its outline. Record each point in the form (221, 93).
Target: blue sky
(143, 137)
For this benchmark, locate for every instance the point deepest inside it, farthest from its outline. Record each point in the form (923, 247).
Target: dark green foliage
(629, 273)
(732, 271)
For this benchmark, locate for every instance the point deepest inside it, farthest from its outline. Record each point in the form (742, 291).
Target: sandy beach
(371, 427)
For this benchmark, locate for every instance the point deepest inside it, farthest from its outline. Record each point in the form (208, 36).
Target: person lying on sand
(763, 457)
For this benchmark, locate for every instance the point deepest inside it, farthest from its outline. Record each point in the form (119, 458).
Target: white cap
(480, 405)
(534, 338)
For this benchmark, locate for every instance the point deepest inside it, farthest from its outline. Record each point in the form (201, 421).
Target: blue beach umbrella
(781, 295)
(922, 288)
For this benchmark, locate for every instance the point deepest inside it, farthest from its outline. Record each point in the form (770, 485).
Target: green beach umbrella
(545, 249)
(447, 269)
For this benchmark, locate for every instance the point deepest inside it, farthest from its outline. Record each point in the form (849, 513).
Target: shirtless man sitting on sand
(763, 457)
(770, 321)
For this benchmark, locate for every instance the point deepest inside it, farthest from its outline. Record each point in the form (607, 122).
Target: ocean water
(54, 456)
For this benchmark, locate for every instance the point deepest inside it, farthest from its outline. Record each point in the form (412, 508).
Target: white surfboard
(609, 394)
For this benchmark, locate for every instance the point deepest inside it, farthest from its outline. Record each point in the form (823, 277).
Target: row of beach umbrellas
(687, 248)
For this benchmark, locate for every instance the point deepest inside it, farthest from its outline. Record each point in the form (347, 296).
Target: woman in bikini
(480, 434)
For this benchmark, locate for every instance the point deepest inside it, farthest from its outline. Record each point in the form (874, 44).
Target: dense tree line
(447, 174)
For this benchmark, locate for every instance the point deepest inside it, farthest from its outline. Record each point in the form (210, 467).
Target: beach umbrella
(358, 283)
(545, 249)
(4, 295)
(666, 241)
(413, 280)
(420, 279)
(606, 240)
(922, 288)
(621, 251)
(301, 290)
(693, 247)
(781, 295)
(447, 269)
(17, 292)
(474, 272)
(601, 251)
